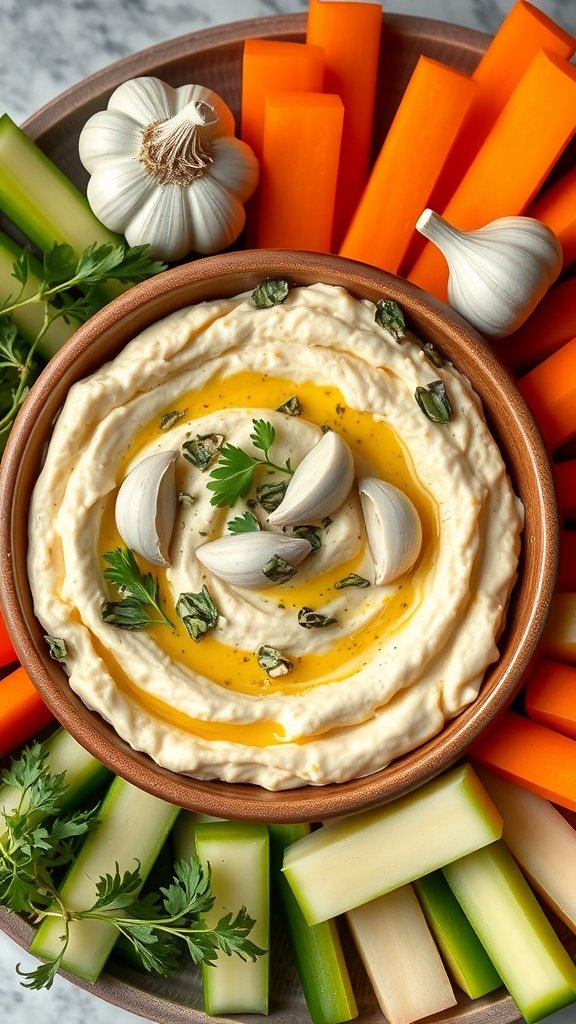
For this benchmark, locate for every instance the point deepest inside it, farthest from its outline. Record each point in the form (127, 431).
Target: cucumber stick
(464, 954)
(41, 201)
(84, 774)
(183, 835)
(133, 828)
(512, 927)
(29, 319)
(316, 949)
(238, 855)
(385, 845)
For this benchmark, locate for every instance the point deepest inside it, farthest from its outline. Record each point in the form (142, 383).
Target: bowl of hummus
(279, 536)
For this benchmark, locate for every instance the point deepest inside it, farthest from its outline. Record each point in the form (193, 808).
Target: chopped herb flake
(202, 450)
(270, 496)
(198, 613)
(169, 419)
(278, 570)
(310, 533)
(391, 318)
(273, 661)
(432, 355)
(327, 523)
(269, 293)
(353, 580)
(57, 647)
(310, 619)
(434, 401)
(291, 407)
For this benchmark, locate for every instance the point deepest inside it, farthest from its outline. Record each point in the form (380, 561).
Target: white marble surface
(47, 46)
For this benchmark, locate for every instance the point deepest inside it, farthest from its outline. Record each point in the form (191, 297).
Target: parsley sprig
(141, 593)
(234, 472)
(68, 288)
(40, 835)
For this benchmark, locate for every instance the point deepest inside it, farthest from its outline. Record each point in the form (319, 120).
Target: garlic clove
(120, 189)
(499, 273)
(320, 484)
(235, 167)
(240, 559)
(224, 124)
(393, 529)
(146, 507)
(226, 214)
(144, 99)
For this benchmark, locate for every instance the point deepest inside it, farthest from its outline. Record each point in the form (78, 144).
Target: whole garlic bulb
(499, 273)
(166, 170)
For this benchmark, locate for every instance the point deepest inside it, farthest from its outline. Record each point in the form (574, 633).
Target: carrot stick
(565, 481)
(550, 392)
(523, 33)
(7, 653)
(559, 640)
(302, 134)
(399, 186)
(557, 208)
(22, 711)
(530, 755)
(349, 35)
(535, 125)
(552, 323)
(550, 696)
(269, 66)
(566, 579)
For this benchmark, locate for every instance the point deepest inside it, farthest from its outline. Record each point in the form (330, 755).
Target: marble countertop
(47, 46)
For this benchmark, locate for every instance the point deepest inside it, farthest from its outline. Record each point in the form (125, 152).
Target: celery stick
(29, 319)
(84, 774)
(133, 828)
(512, 927)
(400, 957)
(542, 841)
(352, 860)
(464, 954)
(238, 856)
(42, 202)
(316, 949)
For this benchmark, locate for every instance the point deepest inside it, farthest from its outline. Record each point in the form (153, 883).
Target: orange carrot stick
(566, 579)
(557, 208)
(269, 66)
(523, 33)
(550, 392)
(550, 696)
(565, 481)
(552, 323)
(530, 755)
(7, 653)
(559, 640)
(22, 711)
(302, 134)
(400, 185)
(349, 35)
(537, 122)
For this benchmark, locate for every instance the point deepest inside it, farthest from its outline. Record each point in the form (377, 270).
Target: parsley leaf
(141, 590)
(246, 523)
(233, 474)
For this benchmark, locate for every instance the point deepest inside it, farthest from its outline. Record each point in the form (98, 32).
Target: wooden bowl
(225, 275)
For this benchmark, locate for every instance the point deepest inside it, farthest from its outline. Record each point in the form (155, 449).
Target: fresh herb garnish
(273, 661)
(141, 590)
(270, 496)
(269, 293)
(434, 401)
(198, 613)
(291, 407)
(169, 419)
(202, 450)
(279, 570)
(41, 835)
(56, 647)
(233, 475)
(310, 533)
(352, 580)
(432, 355)
(60, 274)
(389, 316)
(246, 523)
(310, 619)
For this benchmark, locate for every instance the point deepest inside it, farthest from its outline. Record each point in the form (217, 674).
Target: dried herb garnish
(273, 661)
(353, 580)
(198, 613)
(246, 523)
(278, 570)
(169, 419)
(202, 450)
(270, 496)
(310, 533)
(310, 619)
(291, 407)
(389, 316)
(434, 401)
(269, 293)
(432, 355)
(57, 647)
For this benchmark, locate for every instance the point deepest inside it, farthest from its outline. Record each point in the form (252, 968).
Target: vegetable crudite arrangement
(273, 541)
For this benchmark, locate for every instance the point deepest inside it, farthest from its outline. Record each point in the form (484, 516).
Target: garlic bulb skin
(393, 529)
(320, 483)
(166, 170)
(240, 559)
(499, 273)
(146, 506)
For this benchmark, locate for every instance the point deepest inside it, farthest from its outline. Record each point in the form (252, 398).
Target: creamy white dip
(401, 659)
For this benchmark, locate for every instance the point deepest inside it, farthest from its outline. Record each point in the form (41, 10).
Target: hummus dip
(400, 659)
